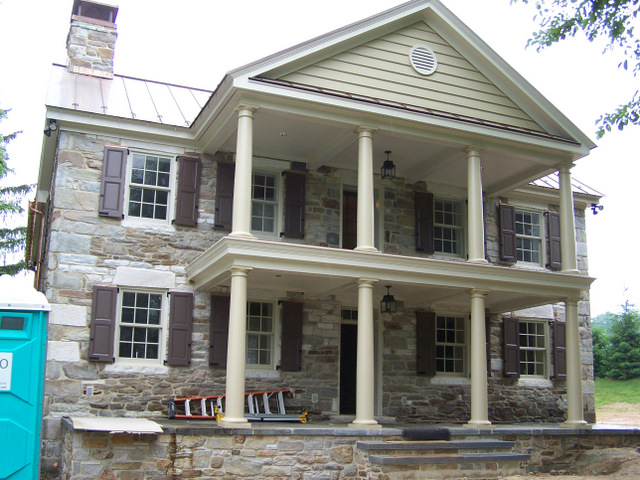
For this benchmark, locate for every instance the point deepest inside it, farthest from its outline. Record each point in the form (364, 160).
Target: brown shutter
(291, 350)
(180, 324)
(553, 230)
(224, 195)
(560, 350)
(511, 332)
(507, 214)
(426, 343)
(424, 221)
(103, 323)
(294, 207)
(219, 331)
(188, 191)
(114, 169)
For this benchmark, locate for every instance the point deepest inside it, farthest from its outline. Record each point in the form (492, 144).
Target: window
(450, 344)
(447, 231)
(260, 333)
(149, 187)
(264, 204)
(140, 325)
(533, 348)
(528, 236)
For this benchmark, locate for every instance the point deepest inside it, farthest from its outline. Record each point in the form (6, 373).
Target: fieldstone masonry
(86, 250)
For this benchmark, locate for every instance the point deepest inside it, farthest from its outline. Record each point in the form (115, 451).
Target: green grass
(610, 391)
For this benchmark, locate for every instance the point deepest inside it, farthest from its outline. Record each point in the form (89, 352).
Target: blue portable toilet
(23, 341)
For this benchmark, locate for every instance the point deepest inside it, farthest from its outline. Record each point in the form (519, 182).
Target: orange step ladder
(265, 405)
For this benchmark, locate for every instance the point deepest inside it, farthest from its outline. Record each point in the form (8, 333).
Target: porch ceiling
(421, 150)
(426, 283)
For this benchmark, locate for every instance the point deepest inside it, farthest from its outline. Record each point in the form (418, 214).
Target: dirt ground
(609, 463)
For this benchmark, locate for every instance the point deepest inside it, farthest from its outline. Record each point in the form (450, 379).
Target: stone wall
(86, 250)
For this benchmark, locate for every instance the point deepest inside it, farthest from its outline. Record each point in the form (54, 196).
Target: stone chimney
(92, 38)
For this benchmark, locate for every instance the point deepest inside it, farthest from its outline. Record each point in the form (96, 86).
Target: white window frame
(171, 189)
(459, 228)
(464, 319)
(522, 236)
(273, 335)
(162, 327)
(542, 352)
(277, 204)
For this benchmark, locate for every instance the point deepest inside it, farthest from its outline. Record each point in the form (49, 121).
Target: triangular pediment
(381, 69)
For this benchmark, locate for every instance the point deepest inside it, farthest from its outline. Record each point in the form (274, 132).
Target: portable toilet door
(23, 339)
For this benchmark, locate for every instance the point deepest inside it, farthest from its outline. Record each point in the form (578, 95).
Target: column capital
(572, 301)
(478, 292)
(240, 270)
(246, 109)
(473, 149)
(367, 282)
(566, 168)
(365, 129)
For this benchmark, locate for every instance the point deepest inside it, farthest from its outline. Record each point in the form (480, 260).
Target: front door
(348, 361)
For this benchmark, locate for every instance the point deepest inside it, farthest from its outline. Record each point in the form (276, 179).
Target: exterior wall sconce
(596, 208)
(53, 126)
(388, 303)
(388, 169)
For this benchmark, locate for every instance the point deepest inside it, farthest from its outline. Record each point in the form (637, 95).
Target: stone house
(194, 242)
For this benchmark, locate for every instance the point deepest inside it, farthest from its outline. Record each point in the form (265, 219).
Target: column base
(576, 424)
(234, 423)
(242, 235)
(485, 424)
(478, 260)
(365, 425)
(366, 249)
(570, 270)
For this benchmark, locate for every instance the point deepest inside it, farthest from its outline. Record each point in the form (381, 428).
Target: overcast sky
(196, 41)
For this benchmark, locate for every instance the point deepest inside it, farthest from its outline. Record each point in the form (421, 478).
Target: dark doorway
(348, 361)
(349, 220)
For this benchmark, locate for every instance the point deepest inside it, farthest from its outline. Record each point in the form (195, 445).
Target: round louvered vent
(423, 60)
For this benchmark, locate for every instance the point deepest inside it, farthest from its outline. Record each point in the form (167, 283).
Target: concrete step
(435, 445)
(453, 458)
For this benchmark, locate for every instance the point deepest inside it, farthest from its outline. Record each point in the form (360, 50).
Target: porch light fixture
(53, 126)
(388, 303)
(388, 169)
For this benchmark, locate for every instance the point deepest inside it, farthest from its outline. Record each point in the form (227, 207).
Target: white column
(479, 397)
(575, 413)
(366, 208)
(236, 350)
(365, 370)
(241, 220)
(567, 222)
(475, 213)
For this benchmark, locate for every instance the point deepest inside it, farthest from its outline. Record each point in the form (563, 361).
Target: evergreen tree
(624, 358)
(12, 239)
(601, 350)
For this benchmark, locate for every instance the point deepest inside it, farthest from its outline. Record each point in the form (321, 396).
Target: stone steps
(481, 458)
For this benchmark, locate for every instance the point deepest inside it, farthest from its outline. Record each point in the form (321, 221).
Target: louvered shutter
(294, 207)
(219, 331)
(424, 221)
(103, 323)
(487, 329)
(555, 248)
(114, 170)
(224, 195)
(507, 215)
(188, 191)
(180, 325)
(511, 331)
(426, 343)
(560, 350)
(291, 350)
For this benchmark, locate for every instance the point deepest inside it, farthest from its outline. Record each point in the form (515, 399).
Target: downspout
(38, 262)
